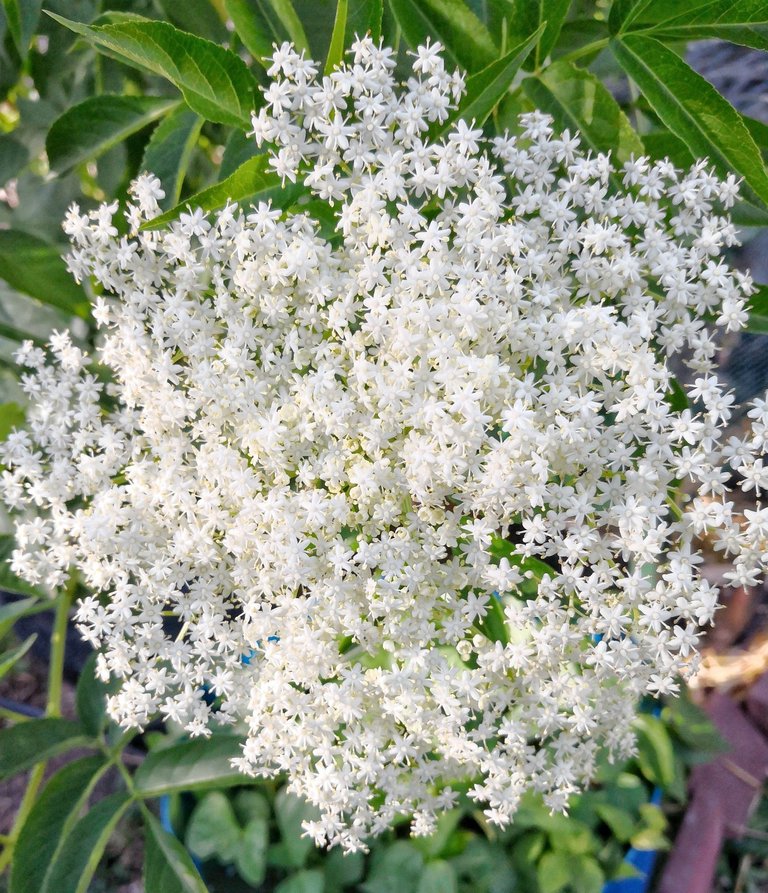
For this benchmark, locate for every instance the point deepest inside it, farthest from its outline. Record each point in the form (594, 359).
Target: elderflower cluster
(391, 487)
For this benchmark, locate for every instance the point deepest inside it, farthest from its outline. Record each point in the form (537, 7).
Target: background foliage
(94, 92)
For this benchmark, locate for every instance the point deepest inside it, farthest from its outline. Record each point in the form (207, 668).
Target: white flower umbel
(340, 450)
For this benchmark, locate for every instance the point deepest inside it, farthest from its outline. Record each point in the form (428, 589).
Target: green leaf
(9, 582)
(438, 877)
(82, 849)
(311, 881)
(99, 123)
(494, 625)
(35, 268)
(290, 812)
(13, 156)
(191, 766)
(290, 21)
(738, 21)
(169, 149)
(394, 869)
(620, 821)
(758, 311)
(54, 813)
(553, 871)
(365, 17)
(197, 16)
(27, 743)
(694, 111)
(168, 867)
(11, 416)
(91, 699)
(12, 611)
(486, 88)
(336, 48)
(14, 655)
(22, 16)
(343, 869)
(252, 182)
(655, 754)
(468, 43)
(623, 13)
(586, 875)
(578, 101)
(528, 17)
(214, 81)
(256, 25)
(251, 855)
(213, 829)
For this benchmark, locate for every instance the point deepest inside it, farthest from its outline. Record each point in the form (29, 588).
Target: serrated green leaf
(168, 867)
(579, 102)
(336, 48)
(486, 88)
(694, 111)
(23, 745)
(53, 815)
(214, 81)
(468, 43)
(14, 655)
(739, 21)
(169, 149)
(97, 124)
(544, 18)
(190, 766)
(253, 181)
(22, 17)
(36, 268)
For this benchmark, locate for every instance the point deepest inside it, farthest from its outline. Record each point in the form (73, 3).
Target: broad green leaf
(365, 17)
(191, 766)
(438, 876)
(256, 25)
(251, 855)
(468, 43)
(14, 655)
(35, 268)
(214, 81)
(12, 611)
(343, 869)
(623, 13)
(27, 743)
(168, 867)
(22, 16)
(661, 144)
(578, 101)
(620, 821)
(528, 16)
(82, 848)
(213, 829)
(486, 88)
(291, 22)
(253, 181)
(13, 156)
(738, 21)
(169, 149)
(11, 416)
(311, 881)
(290, 812)
(553, 871)
(655, 754)
(99, 123)
(196, 16)
(53, 815)
(394, 869)
(586, 875)
(238, 149)
(694, 111)
(9, 582)
(336, 48)
(91, 699)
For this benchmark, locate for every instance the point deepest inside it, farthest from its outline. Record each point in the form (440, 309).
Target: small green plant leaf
(553, 871)
(544, 18)
(312, 881)
(36, 268)
(251, 855)
(12, 611)
(168, 867)
(655, 754)
(253, 181)
(169, 149)
(22, 16)
(13, 156)
(53, 815)
(11, 657)
(694, 111)
(468, 43)
(11, 416)
(190, 766)
(213, 829)
(256, 25)
(99, 123)
(578, 101)
(290, 812)
(438, 876)
(27, 743)
(91, 699)
(336, 48)
(214, 81)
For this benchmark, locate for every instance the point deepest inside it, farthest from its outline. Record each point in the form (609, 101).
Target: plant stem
(53, 708)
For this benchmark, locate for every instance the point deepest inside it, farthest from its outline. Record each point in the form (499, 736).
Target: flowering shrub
(404, 475)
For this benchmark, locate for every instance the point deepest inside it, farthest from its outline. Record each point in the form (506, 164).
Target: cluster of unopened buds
(398, 500)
